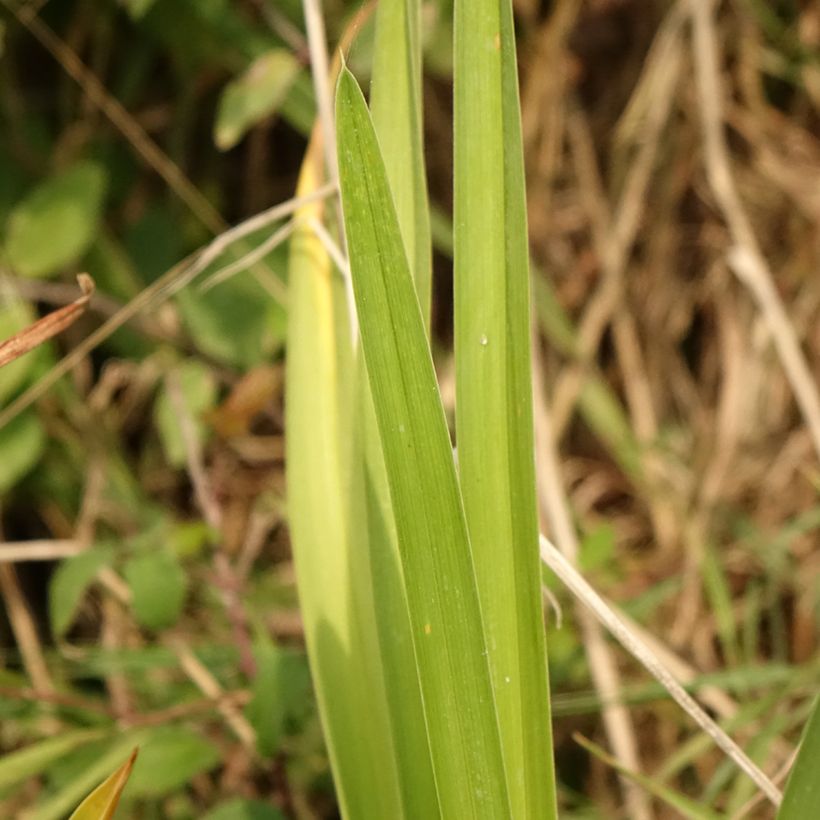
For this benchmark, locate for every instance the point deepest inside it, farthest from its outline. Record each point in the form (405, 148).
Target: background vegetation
(673, 457)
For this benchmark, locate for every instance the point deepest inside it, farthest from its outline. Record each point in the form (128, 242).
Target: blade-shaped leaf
(433, 542)
(396, 112)
(102, 802)
(802, 796)
(395, 102)
(335, 595)
(494, 423)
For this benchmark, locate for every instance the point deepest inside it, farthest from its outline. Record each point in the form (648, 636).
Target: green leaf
(69, 584)
(239, 809)
(158, 587)
(22, 442)
(432, 535)
(254, 95)
(54, 224)
(34, 759)
(267, 710)
(169, 757)
(138, 8)
(335, 597)
(395, 103)
(229, 321)
(103, 801)
(801, 799)
(197, 384)
(494, 420)
(397, 114)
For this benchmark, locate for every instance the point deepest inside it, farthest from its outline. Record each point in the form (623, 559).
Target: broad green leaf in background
(230, 321)
(801, 798)
(197, 384)
(158, 587)
(335, 601)
(169, 757)
(34, 759)
(494, 420)
(22, 442)
(56, 223)
(254, 95)
(102, 802)
(432, 535)
(69, 583)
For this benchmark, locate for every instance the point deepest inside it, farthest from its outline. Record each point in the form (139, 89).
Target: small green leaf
(138, 8)
(266, 711)
(255, 95)
(198, 387)
(168, 759)
(188, 539)
(280, 688)
(239, 809)
(158, 586)
(597, 547)
(69, 584)
(22, 442)
(102, 802)
(55, 223)
(229, 322)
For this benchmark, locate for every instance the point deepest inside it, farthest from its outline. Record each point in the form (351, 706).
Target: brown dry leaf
(50, 325)
(250, 395)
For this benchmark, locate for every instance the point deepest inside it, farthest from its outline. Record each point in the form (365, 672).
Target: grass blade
(684, 806)
(335, 595)
(395, 103)
(396, 113)
(802, 796)
(494, 422)
(432, 535)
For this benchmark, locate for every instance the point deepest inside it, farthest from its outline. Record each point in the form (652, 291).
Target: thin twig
(173, 280)
(582, 590)
(317, 45)
(251, 258)
(25, 630)
(19, 551)
(210, 687)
